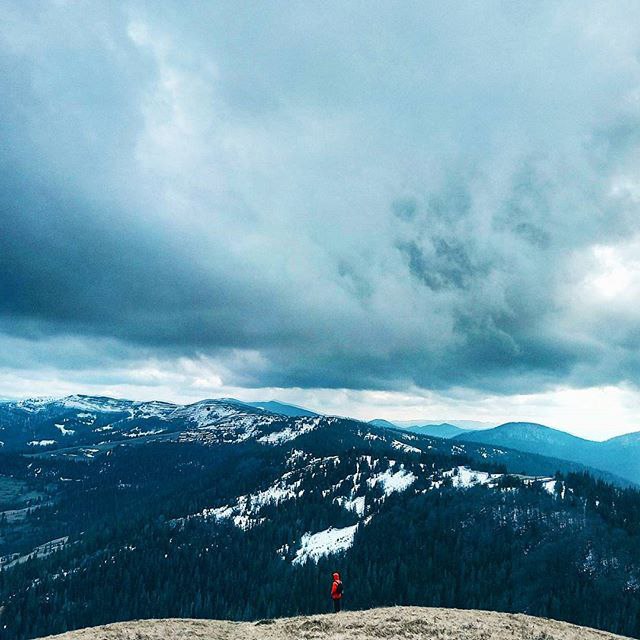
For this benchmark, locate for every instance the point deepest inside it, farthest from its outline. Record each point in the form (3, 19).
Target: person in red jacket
(336, 592)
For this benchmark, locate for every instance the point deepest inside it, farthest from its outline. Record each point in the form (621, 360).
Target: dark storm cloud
(347, 196)
(75, 267)
(448, 265)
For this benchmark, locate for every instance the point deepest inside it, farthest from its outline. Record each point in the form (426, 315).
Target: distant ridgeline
(114, 510)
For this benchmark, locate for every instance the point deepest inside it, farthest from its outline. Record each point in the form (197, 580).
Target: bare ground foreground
(391, 623)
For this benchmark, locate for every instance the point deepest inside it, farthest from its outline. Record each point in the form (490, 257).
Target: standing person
(336, 592)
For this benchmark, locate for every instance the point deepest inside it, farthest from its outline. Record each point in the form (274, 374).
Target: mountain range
(120, 510)
(619, 455)
(465, 425)
(441, 428)
(40, 425)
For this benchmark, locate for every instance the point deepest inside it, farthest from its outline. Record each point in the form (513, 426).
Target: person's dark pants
(337, 602)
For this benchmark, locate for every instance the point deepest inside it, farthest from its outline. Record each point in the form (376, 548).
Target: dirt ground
(389, 623)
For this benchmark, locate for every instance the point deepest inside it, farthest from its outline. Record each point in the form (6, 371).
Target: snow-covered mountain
(80, 426)
(49, 424)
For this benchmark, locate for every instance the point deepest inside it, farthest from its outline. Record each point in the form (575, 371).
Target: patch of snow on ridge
(357, 505)
(236, 428)
(203, 415)
(138, 433)
(273, 495)
(63, 430)
(463, 477)
(243, 513)
(34, 404)
(550, 486)
(241, 521)
(88, 404)
(41, 443)
(396, 444)
(314, 546)
(208, 412)
(154, 409)
(392, 481)
(290, 433)
(220, 513)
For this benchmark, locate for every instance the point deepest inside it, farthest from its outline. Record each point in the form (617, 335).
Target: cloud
(374, 197)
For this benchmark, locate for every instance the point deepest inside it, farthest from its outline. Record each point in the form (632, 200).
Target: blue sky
(378, 209)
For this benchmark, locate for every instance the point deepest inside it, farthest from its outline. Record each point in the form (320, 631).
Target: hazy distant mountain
(283, 409)
(531, 437)
(466, 425)
(620, 455)
(384, 424)
(441, 430)
(444, 430)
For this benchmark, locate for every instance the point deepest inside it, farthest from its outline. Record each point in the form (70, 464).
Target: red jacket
(334, 587)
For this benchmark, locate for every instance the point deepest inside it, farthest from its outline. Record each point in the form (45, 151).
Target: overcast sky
(395, 210)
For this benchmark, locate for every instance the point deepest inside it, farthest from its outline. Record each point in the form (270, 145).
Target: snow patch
(463, 477)
(550, 486)
(290, 433)
(314, 546)
(99, 405)
(357, 505)
(243, 513)
(63, 430)
(392, 481)
(137, 433)
(396, 444)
